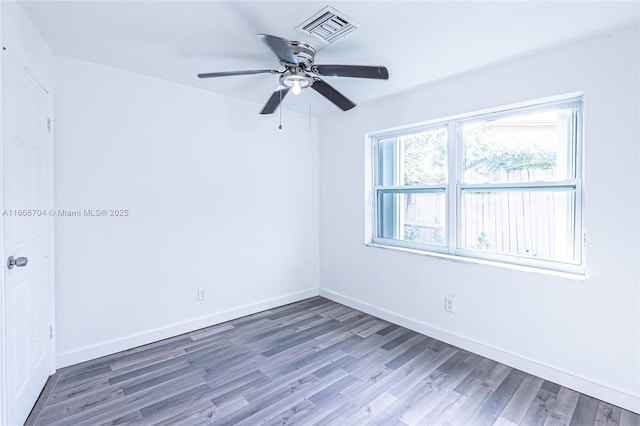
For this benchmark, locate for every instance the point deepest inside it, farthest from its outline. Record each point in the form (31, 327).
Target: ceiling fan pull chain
(280, 108)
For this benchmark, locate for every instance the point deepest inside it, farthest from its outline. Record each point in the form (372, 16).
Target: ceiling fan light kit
(300, 72)
(296, 80)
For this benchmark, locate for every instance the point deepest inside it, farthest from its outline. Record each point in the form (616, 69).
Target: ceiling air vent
(328, 25)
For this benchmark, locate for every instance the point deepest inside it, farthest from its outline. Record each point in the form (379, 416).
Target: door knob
(19, 262)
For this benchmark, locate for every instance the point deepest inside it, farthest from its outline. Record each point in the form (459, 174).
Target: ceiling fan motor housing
(304, 52)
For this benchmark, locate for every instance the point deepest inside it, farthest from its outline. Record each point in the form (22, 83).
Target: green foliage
(437, 236)
(488, 154)
(482, 242)
(424, 157)
(410, 232)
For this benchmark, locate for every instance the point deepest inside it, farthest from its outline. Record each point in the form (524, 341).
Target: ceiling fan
(300, 72)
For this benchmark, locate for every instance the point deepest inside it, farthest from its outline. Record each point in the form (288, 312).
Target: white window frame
(454, 188)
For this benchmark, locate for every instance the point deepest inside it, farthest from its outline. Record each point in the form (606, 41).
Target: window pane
(415, 159)
(412, 216)
(423, 157)
(519, 148)
(536, 224)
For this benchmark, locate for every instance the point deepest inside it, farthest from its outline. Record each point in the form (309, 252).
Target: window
(504, 186)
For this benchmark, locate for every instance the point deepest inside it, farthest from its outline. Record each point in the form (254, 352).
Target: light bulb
(295, 89)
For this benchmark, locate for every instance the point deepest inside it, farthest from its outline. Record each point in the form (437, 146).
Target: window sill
(463, 259)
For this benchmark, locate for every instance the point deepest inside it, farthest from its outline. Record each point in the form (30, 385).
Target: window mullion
(413, 188)
(568, 184)
(578, 159)
(452, 180)
(398, 217)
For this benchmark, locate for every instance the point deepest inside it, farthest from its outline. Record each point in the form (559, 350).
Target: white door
(28, 225)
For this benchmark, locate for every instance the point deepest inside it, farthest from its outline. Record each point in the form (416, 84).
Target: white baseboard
(597, 390)
(131, 341)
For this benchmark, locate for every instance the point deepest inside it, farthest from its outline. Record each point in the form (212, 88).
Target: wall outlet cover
(449, 304)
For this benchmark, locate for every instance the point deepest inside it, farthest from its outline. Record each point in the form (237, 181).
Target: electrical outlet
(202, 294)
(449, 304)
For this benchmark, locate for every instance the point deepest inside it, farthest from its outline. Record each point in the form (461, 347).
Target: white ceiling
(418, 41)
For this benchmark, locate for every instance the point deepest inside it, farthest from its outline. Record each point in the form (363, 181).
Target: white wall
(583, 334)
(218, 198)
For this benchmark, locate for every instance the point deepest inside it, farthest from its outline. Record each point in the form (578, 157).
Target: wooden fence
(525, 223)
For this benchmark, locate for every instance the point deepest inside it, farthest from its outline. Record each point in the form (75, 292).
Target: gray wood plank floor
(314, 362)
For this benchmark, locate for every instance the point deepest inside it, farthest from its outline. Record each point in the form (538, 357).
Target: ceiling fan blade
(274, 100)
(333, 95)
(280, 47)
(359, 71)
(228, 73)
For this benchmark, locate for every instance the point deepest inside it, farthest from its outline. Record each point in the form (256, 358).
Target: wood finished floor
(311, 362)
